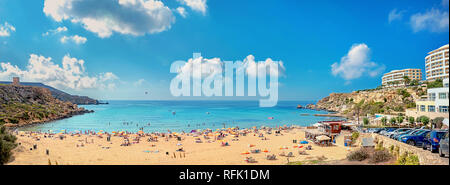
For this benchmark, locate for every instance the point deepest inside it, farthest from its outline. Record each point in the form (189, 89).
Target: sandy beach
(97, 150)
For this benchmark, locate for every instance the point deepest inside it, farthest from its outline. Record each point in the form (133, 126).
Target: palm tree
(406, 80)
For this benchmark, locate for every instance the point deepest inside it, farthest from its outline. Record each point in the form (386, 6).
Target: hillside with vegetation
(61, 95)
(23, 105)
(376, 101)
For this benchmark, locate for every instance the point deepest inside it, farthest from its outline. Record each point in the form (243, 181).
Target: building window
(442, 96)
(422, 108)
(431, 108)
(432, 96)
(443, 109)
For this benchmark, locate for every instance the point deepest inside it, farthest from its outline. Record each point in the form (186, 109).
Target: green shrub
(358, 155)
(412, 160)
(379, 146)
(408, 159)
(403, 92)
(411, 105)
(392, 120)
(384, 120)
(411, 120)
(355, 136)
(391, 149)
(425, 120)
(435, 84)
(7, 143)
(400, 119)
(396, 151)
(365, 121)
(380, 156)
(13, 120)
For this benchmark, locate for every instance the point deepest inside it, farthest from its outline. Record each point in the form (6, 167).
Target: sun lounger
(282, 154)
(180, 150)
(271, 157)
(250, 160)
(255, 151)
(302, 152)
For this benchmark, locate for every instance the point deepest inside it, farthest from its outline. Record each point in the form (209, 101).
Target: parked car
(443, 146)
(416, 139)
(370, 130)
(378, 130)
(411, 131)
(387, 130)
(382, 131)
(432, 140)
(398, 131)
(403, 131)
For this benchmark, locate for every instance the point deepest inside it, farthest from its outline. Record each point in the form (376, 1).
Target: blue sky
(131, 54)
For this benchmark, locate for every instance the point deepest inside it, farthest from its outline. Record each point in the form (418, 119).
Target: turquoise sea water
(183, 116)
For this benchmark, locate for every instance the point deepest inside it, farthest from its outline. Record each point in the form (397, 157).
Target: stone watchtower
(16, 81)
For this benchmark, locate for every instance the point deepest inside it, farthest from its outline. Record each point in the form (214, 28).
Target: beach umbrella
(266, 151)
(323, 138)
(244, 153)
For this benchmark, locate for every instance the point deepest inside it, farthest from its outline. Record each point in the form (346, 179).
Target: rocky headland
(374, 101)
(26, 105)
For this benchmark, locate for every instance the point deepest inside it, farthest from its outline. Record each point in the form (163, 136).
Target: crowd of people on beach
(130, 138)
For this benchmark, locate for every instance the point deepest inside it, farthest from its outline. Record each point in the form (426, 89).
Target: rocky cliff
(23, 105)
(370, 101)
(61, 95)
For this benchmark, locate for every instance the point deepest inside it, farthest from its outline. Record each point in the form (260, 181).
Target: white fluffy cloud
(139, 82)
(252, 67)
(6, 29)
(395, 15)
(215, 66)
(55, 31)
(356, 64)
(71, 75)
(196, 5)
(434, 20)
(182, 12)
(75, 39)
(133, 17)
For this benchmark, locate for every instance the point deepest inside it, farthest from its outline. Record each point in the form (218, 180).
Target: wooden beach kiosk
(324, 132)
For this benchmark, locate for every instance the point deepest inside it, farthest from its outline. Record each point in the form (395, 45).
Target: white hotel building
(436, 64)
(395, 77)
(436, 104)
